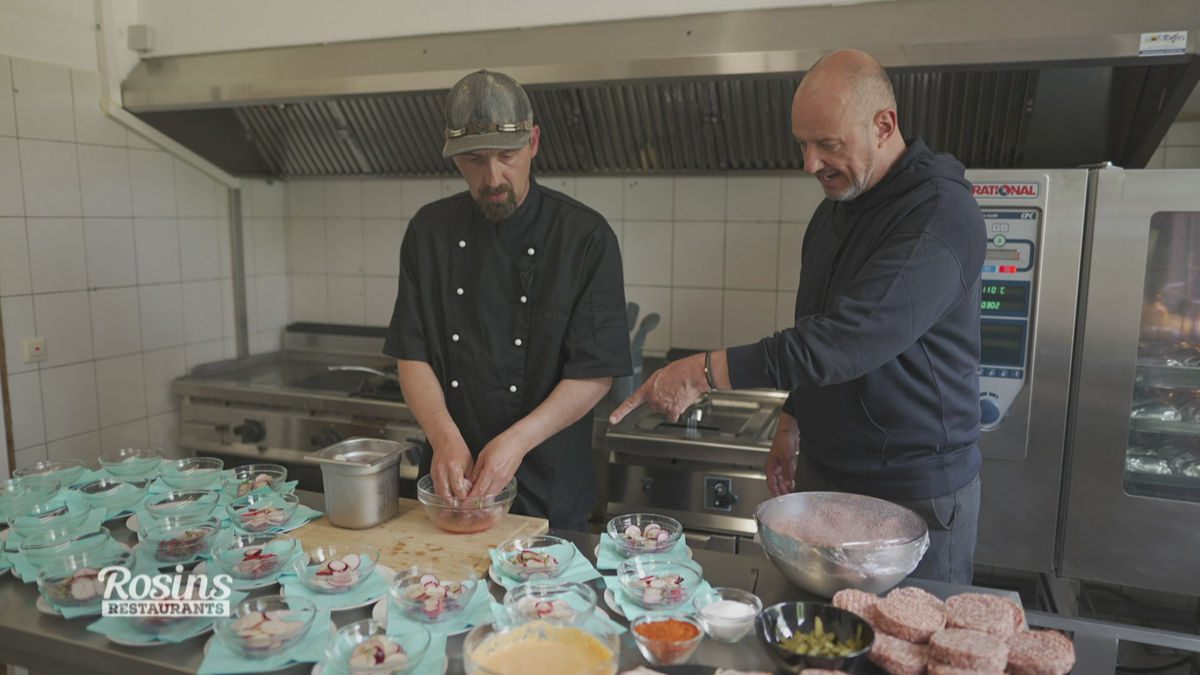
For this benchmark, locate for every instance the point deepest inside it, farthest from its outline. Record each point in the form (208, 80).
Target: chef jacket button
(530, 251)
(454, 383)
(454, 337)
(460, 291)
(518, 342)
(462, 243)
(513, 388)
(524, 299)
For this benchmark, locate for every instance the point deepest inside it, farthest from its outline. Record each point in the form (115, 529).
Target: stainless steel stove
(286, 406)
(706, 470)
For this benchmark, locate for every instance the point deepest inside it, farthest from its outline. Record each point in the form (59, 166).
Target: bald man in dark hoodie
(882, 360)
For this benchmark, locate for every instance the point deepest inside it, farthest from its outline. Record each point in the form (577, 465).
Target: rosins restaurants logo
(169, 597)
(1006, 190)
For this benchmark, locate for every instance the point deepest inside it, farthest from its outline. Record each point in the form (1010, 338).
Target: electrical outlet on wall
(33, 349)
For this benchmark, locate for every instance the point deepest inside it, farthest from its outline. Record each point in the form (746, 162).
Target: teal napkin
(579, 569)
(432, 663)
(477, 611)
(371, 589)
(5, 563)
(158, 487)
(302, 515)
(596, 621)
(123, 629)
(610, 557)
(87, 476)
(632, 610)
(92, 523)
(287, 489)
(220, 660)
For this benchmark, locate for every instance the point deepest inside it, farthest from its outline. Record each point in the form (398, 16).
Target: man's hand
(670, 390)
(452, 467)
(781, 460)
(497, 464)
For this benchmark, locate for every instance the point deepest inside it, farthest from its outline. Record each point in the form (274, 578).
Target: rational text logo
(1006, 190)
(166, 597)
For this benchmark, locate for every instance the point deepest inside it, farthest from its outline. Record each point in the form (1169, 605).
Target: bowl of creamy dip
(540, 648)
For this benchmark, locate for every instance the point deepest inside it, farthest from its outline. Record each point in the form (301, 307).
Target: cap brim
(499, 140)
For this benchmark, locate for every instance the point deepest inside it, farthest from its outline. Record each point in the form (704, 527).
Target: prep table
(51, 645)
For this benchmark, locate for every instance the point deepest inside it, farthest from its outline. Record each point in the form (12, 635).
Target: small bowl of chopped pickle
(367, 648)
(434, 592)
(803, 635)
(242, 480)
(261, 512)
(536, 558)
(180, 538)
(644, 533)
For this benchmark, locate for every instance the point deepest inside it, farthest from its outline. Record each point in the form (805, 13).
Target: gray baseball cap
(487, 111)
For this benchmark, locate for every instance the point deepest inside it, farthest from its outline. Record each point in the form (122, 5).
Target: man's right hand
(452, 466)
(781, 460)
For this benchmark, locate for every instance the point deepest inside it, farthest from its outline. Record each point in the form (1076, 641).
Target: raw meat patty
(915, 620)
(1040, 652)
(821, 671)
(918, 594)
(938, 668)
(897, 656)
(969, 650)
(1018, 616)
(982, 612)
(857, 602)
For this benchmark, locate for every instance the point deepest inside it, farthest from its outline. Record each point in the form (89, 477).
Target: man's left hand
(496, 464)
(670, 390)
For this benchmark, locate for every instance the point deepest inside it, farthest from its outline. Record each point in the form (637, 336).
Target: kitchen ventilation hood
(1000, 85)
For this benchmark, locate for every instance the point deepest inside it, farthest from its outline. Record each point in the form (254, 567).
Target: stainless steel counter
(51, 645)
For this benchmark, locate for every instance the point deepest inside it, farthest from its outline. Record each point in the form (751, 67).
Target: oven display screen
(1002, 297)
(1002, 343)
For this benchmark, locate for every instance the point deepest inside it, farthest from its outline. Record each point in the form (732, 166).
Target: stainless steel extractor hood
(1021, 83)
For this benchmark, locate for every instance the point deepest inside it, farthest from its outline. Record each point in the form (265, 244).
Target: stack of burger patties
(969, 634)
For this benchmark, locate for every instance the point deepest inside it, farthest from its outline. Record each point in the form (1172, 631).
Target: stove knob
(250, 431)
(327, 438)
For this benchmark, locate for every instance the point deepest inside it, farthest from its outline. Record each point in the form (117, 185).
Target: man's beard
(859, 184)
(496, 211)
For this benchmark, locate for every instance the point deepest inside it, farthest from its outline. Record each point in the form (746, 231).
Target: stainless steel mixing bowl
(827, 541)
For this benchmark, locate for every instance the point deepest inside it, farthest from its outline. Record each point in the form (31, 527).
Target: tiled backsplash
(118, 254)
(718, 258)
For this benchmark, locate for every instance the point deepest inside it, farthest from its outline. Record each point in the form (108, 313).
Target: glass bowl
(251, 557)
(779, 622)
(132, 461)
(657, 583)
(434, 592)
(115, 494)
(191, 473)
(381, 652)
(336, 569)
(19, 494)
(42, 548)
(562, 602)
(540, 557)
(262, 512)
(178, 538)
(190, 586)
(627, 533)
(73, 580)
(242, 480)
(594, 650)
(67, 471)
(466, 515)
(183, 503)
(242, 630)
(727, 614)
(666, 652)
(53, 514)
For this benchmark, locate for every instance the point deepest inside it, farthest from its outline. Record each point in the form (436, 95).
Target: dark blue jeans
(953, 522)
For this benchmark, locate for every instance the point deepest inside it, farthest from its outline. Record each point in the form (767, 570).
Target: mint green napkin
(632, 610)
(87, 476)
(123, 629)
(94, 520)
(477, 611)
(220, 660)
(5, 563)
(371, 589)
(610, 557)
(302, 515)
(597, 620)
(578, 570)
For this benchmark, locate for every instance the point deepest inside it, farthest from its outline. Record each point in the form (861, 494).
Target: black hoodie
(882, 362)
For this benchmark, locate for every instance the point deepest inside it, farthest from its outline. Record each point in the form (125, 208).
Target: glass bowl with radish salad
(336, 569)
(261, 512)
(658, 583)
(535, 558)
(242, 480)
(180, 538)
(252, 557)
(74, 580)
(265, 626)
(559, 602)
(368, 648)
(434, 592)
(644, 533)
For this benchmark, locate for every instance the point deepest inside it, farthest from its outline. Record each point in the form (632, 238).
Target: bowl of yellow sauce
(540, 648)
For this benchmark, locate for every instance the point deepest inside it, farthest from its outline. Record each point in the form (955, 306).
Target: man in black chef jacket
(882, 361)
(510, 320)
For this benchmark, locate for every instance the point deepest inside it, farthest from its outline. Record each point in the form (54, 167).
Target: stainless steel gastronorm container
(362, 481)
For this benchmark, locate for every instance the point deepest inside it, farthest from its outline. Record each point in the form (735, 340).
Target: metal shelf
(1167, 377)
(1179, 488)
(1173, 428)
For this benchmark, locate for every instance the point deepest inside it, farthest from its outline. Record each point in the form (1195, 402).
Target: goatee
(494, 210)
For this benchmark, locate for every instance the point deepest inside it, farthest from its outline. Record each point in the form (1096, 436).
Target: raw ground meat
(1040, 652)
(1018, 616)
(936, 668)
(897, 656)
(983, 612)
(857, 602)
(908, 618)
(821, 671)
(918, 594)
(968, 650)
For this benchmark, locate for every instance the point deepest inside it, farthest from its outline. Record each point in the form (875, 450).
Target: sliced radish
(427, 579)
(352, 560)
(248, 621)
(273, 627)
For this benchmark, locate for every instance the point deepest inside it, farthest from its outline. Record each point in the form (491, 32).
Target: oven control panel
(719, 494)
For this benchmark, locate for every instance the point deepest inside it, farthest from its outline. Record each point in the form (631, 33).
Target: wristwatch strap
(708, 373)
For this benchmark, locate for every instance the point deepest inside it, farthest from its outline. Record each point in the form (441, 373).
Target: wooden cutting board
(409, 538)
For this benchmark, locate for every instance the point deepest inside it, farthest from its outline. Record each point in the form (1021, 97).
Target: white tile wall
(50, 176)
(25, 396)
(157, 249)
(380, 300)
(12, 201)
(122, 394)
(1180, 149)
(750, 255)
(200, 247)
(344, 246)
(43, 97)
(64, 320)
(306, 246)
(343, 199)
(201, 311)
(104, 178)
(791, 240)
(381, 246)
(91, 124)
(14, 258)
(381, 199)
(269, 246)
(160, 368)
(649, 198)
(109, 244)
(309, 295)
(414, 194)
(18, 323)
(69, 397)
(161, 310)
(700, 199)
(116, 322)
(699, 255)
(153, 181)
(605, 195)
(8, 112)
(754, 199)
(195, 194)
(748, 317)
(84, 446)
(129, 435)
(645, 253)
(696, 319)
(56, 254)
(346, 300)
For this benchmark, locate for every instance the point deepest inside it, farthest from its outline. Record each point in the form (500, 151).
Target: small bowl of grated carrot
(667, 638)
